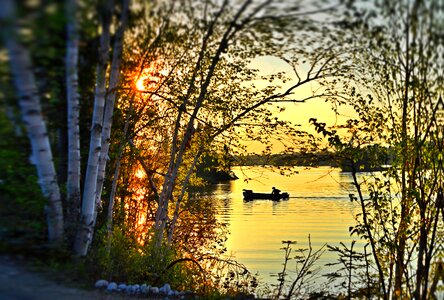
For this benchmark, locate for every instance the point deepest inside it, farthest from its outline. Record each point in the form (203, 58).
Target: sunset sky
(300, 113)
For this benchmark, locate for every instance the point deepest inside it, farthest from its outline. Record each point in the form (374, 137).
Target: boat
(250, 195)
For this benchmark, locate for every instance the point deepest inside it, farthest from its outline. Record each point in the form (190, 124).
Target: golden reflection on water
(319, 206)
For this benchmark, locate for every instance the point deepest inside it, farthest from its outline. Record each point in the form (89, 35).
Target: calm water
(319, 206)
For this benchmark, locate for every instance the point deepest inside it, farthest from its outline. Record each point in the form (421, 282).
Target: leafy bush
(22, 219)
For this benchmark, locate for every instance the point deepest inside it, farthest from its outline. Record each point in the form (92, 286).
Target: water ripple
(319, 206)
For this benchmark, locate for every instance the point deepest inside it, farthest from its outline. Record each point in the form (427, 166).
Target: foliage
(120, 256)
(393, 89)
(21, 202)
(190, 98)
(353, 273)
(305, 272)
(215, 167)
(193, 66)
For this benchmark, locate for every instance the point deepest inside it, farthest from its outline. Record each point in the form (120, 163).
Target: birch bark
(29, 102)
(87, 218)
(110, 99)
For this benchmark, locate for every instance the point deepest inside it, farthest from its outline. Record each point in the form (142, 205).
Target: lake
(318, 206)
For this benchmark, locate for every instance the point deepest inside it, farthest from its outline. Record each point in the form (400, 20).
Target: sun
(140, 83)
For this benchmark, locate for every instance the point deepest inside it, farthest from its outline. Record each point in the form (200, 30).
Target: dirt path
(18, 283)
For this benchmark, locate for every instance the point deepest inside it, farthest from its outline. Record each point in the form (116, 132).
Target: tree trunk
(87, 219)
(182, 194)
(176, 158)
(405, 197)
(112, 197)
(371, 239)
(73, 179)
(110, 98)
(29, 102)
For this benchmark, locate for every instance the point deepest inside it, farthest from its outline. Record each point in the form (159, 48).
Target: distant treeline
(215, 167)
(289, 159)
(371, 158)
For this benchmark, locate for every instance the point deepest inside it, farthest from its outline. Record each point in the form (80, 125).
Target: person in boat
(275, 191)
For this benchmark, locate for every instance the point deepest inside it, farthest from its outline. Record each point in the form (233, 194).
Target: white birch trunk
(87, 219)
(110, 99)
(29, 102)
(73, 179)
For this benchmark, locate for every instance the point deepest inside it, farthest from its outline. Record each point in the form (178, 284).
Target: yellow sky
(300, 113)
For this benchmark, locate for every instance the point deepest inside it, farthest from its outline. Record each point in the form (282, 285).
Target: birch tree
(87, 221)
(30, 107)
(110, 99)
(102, 119)
(22, 73)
